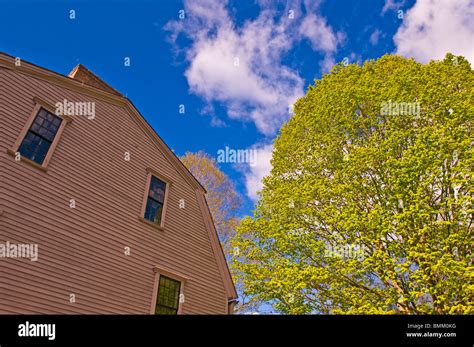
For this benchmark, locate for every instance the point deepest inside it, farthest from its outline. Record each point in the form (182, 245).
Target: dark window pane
(153, 211)
(167, 301)
(34, 147)
(157, 189)
(41, 117)
(57, 122)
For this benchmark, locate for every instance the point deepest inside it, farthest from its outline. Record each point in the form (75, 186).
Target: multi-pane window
(155, 200)
(40, 136)
(167, 301)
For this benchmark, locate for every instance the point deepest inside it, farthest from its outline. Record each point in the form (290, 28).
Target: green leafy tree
(368, 208)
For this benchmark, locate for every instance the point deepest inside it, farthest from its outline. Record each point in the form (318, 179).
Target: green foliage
(395, 184)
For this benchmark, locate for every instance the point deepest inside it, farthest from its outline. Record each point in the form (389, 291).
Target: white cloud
(254, 174)
(432, 28)
(241, 67)
(375, 36)
(217, 122)
(220, 70)
(392, 5)
(322, 38)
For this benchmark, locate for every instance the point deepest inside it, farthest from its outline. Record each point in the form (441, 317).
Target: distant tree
(369, 206)
(223, 200)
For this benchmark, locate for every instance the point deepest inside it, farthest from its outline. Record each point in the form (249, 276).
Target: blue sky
(280, 46)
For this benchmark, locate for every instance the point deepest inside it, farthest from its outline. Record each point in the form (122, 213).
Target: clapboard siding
(81, 250)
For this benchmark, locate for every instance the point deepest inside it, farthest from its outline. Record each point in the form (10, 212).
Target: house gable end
(96, 89)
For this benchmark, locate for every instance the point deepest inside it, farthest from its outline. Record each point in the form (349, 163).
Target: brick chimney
(82, 74)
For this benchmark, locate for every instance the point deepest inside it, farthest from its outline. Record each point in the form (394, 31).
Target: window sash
(33, 148)
(47, 122)
(36, 154)
(153, 217)
(155, 182)
(171, 289)
(149, 213)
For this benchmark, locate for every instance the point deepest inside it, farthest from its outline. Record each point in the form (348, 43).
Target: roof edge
(222, 265)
